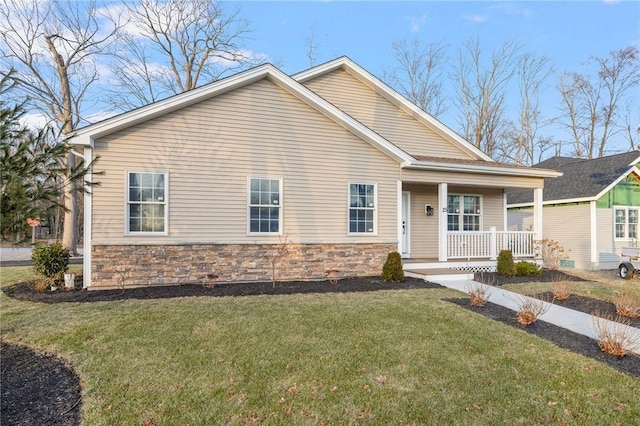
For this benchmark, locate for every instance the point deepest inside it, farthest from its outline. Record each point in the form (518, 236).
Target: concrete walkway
(575, 321)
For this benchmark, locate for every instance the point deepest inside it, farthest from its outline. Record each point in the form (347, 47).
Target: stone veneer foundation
(135, 265)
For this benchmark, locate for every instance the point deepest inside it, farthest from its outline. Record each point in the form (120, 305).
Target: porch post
(442, 222)
(399, 214)
(537, 213)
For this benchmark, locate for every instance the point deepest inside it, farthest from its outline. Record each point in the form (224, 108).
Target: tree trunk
(70, 229)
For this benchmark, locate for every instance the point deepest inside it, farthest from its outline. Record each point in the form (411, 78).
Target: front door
(406, 215)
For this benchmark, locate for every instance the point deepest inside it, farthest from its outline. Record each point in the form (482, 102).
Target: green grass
(391, 357)
(608, 290)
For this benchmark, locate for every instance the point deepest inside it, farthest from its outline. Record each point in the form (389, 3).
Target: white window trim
(127, 232)
(626, 223)
(280, 205)
(461, 214)
(375, 209)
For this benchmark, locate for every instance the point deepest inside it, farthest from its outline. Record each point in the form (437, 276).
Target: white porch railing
(487, 244)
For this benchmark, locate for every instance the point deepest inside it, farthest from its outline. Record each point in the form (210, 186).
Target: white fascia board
(88, 134)
(481, 169)
(394, 97)
(617, 181)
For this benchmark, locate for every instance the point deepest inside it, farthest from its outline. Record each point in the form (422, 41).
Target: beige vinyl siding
(471, 179)
(424, 229)
(365, 105)
(570, 226)
(211, 148)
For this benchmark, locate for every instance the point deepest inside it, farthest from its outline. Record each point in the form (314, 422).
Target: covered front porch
(447, 229)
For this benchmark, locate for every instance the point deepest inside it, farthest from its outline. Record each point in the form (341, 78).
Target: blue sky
(569, 32)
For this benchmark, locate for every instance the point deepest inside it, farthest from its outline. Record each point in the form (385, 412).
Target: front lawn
(388, 357)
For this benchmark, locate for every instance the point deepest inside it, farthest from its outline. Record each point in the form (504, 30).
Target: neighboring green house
(592, 210)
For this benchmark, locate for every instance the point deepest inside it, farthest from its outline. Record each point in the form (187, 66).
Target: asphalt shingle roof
(581, 179)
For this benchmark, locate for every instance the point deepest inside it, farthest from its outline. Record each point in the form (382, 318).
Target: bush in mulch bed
(574, 342)
(24, 292)
(37, 389)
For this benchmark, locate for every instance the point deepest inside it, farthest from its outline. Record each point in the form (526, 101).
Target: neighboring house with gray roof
(592, 210)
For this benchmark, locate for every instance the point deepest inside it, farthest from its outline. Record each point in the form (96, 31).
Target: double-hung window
(265, 205)
(362, 208)
(464, 212)
(626, 223)
(146, 203)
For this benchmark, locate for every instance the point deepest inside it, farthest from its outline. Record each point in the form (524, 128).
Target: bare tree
(482, 91)
(591, 104)
(312, 47)
(52, 46)
(173, 46)
(523, 141)
(418, 74)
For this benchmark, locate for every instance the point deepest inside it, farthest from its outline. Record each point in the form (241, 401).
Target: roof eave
(481, 169)
(87, 135)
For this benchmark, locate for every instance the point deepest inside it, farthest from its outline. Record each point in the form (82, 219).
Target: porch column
(399, 214)
(537, 213)
(442, 222)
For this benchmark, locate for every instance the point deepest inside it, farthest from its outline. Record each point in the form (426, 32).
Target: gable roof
(582, 180)
(394, 97)
(87, 135)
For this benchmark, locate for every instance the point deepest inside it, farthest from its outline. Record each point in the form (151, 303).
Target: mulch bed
(546, 276)
(37, 389)
(40, 389)
(23, 291)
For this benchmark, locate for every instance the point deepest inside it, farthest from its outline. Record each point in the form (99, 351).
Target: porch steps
(439, 274)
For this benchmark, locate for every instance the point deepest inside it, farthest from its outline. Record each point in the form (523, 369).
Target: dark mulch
(23, 291)
(576, 302)
(574, 342)
(493, 278)
(37, 389)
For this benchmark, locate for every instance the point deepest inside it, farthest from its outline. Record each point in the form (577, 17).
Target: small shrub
(41, 284)
(50, 260)
(551, 253)
(332, 275)
(561, 290)
(478, 293)
(615, 336)
(527, 269)
(530, 309)
(505, 264)
(392, 268)
(627, 306)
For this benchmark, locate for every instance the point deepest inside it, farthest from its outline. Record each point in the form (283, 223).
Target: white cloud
(417, 23)
(476, 18)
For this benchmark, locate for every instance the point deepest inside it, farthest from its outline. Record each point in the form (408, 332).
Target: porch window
(464, 212)
(626, 223)
(362, 208)
(146, 203)
(265, 216)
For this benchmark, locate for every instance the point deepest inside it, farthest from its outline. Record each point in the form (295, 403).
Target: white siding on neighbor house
(570, 225)
(424, 229)
(211, 148)
(471, 179)
(608, 247)
(373, 110)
